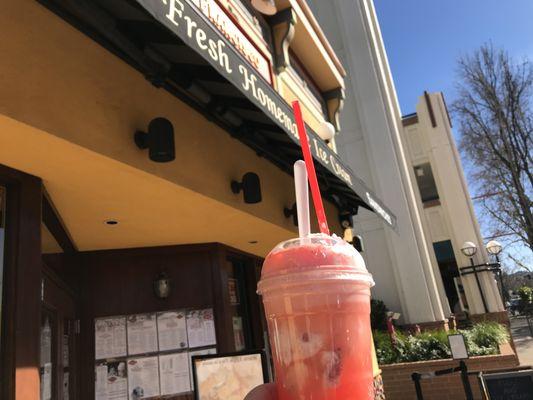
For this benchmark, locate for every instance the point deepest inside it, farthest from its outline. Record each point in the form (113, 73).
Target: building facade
(145, 170)
(371, 144)
(375, 142)
(444, 201)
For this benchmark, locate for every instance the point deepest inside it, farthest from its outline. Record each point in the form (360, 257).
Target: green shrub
(482, 339)
(378, 315)
(384, 350)
(526, 295)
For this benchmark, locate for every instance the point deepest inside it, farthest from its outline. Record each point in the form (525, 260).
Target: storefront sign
(235, 36)
(194, 27)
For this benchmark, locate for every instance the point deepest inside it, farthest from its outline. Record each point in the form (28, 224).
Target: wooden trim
(59, 282)
(22, 281)
(430, 109)
(155, 250)
(221, 303)
(322, 37)
(55, 225)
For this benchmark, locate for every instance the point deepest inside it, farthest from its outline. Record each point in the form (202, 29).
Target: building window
(450, 275)
(307, 82)
(426, 184)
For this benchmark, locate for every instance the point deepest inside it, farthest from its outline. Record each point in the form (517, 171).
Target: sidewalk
(523, 340)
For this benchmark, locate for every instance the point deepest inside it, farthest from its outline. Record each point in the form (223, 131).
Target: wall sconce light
(267, 7)
(291, 212)
(357, 243)
(159, 140)
(162, 286)
(250, 186)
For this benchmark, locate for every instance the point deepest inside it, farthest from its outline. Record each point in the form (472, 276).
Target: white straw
(302, 198)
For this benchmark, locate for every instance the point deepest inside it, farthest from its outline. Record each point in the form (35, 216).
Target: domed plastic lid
(317, 252)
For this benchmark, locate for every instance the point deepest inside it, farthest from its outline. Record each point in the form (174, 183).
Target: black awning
(176, 46)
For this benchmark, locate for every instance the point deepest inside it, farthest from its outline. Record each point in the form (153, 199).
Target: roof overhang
(178, 48)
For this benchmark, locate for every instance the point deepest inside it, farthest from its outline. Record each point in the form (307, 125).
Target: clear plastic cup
(316, 293)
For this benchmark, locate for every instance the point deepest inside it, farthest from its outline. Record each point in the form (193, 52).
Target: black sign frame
(498, 386)
(260, 353)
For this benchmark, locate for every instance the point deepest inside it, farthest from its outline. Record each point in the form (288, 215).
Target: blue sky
(424, 39)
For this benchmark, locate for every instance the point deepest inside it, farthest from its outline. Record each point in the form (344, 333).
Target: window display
(163, 339)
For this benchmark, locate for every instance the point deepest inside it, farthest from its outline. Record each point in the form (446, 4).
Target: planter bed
(399, 386)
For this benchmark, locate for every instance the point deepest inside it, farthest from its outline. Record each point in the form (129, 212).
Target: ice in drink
(316, 293)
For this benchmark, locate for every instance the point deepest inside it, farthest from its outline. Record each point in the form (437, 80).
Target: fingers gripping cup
(316, 293)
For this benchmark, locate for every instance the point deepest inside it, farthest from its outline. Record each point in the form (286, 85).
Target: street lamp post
(469, 249)
(494, 248)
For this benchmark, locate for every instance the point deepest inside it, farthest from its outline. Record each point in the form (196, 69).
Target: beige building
(375, 143)
(444, 202)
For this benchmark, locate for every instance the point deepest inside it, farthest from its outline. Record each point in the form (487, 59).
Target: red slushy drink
(316, 293)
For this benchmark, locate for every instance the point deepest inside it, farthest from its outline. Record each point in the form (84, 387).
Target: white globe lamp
(494, 247)
(469, 249)
(326, 131)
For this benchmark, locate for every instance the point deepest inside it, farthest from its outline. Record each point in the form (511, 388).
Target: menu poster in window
(201, 328)
(46, 343)
(142, 334)
(174, 373)
(66, 390)
(110, 337)
(171, 330)
(111, 381)
(46, 381)
(238, 334)
(100, 386)
(143, 376)
(233, 291)
(65, 350)
(203, 352)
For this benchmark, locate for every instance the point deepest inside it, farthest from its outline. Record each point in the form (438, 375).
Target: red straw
(313, 182)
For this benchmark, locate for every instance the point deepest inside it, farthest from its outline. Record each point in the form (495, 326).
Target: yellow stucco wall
(58, 80)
